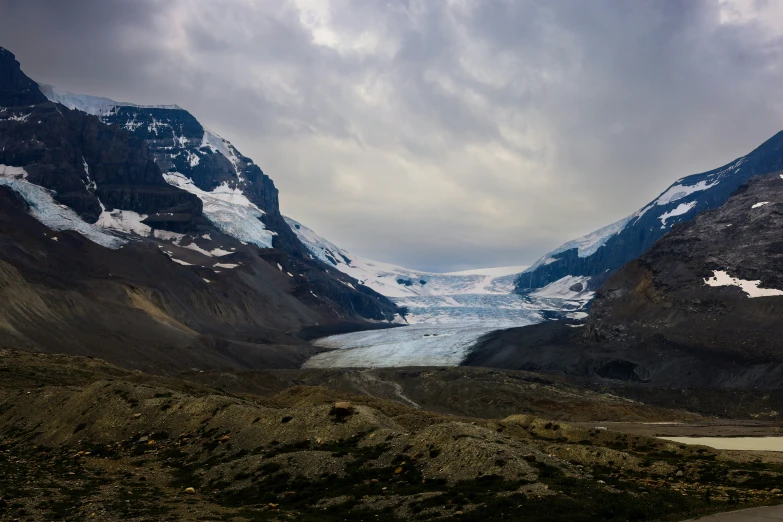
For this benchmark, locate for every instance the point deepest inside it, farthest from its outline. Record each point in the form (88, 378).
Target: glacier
(446, 312)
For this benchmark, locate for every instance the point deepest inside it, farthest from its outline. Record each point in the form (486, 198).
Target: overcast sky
(437, 134)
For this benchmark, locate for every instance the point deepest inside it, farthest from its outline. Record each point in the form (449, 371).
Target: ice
(681, 209)
(168, 236)
(217, 144)
(94, 105)
(396, 281)
(561, 289)
(124, 221)
(585, 245)
(7, 171)
(58, 217)
(677, 192)
(493, 272)
(722, 278)
(229, 210)
(420, 345)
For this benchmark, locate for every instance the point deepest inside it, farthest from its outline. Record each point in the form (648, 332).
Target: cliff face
(16, 89)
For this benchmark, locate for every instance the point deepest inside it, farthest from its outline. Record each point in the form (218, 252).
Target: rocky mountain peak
(16, 88)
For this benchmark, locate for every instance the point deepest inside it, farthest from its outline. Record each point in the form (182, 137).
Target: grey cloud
(438, 135)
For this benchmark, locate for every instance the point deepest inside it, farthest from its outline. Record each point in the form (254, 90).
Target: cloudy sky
(437, 134)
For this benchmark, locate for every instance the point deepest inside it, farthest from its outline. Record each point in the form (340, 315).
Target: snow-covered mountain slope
(399, 282)
(599, 254)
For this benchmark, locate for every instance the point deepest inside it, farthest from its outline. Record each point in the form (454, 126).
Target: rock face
(16, 89)
(180, 145)
(695, 287)
(191, 156)
(604, 251)
(701, 308)
(102, 255)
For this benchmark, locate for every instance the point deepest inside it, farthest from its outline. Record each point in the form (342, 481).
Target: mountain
(701, 308)
(398, 282)
(600, 253)
(105, 254)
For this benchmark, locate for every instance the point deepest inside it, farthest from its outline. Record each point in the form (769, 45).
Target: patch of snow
(226, 265)
(196, 248)
(279, 267)
(89, 184)
(722, 278)
(219, 145)
(207, 237)
(677, 192)
(682, 208)
(760, 204)
(168, 236)
(123, 221)
(561, 289)
(20, 119)
(181, 262)
(290, 274)
(206, 280)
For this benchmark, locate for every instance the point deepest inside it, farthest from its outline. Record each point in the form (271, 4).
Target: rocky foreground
(81, 439)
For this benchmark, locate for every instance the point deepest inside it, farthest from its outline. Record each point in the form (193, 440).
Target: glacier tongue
(447, 313)
(58, 217)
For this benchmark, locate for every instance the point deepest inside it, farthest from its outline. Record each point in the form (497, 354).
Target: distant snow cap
(751, 288)
(499, 271)
(95, 105)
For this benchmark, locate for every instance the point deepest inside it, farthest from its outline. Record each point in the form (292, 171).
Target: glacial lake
(733, 443)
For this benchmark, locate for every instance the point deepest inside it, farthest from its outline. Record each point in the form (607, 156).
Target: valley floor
(81, 439)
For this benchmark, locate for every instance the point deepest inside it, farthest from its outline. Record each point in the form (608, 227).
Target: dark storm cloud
(439, 135)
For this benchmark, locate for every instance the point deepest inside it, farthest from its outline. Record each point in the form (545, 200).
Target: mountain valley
(174, 347)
